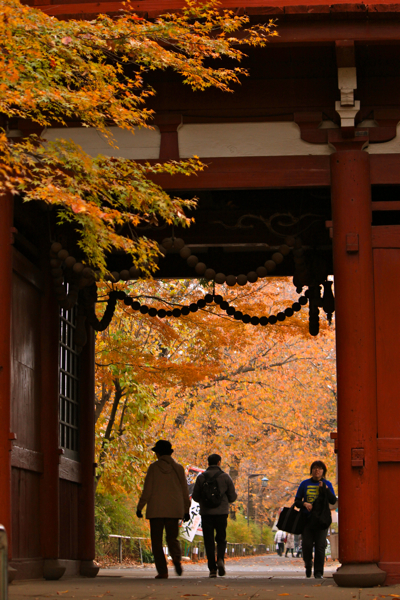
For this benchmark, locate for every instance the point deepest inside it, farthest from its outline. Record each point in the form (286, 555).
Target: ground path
(249, 578)
(237, 568)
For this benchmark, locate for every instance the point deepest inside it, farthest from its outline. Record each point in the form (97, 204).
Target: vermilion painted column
(6, 215)
(356, 370)
(86, 451)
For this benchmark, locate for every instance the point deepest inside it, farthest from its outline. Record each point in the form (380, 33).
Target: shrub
(116, 515)
(239, 532)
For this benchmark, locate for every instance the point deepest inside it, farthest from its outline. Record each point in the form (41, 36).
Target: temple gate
(311, 137)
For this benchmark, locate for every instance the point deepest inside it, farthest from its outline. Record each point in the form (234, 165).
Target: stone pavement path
(249, 566)
(251, 578)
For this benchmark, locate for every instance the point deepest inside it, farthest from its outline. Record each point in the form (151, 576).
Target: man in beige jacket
(166, 494)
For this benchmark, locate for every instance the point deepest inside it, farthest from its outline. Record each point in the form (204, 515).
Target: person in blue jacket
(317, 487)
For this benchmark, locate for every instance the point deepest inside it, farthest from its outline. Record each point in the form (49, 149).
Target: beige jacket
(290, 541)
(165, 490)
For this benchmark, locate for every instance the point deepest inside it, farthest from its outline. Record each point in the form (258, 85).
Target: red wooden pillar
(6, 216)
(356, 370)
(49, 493)
(169, 145)
(86, 443)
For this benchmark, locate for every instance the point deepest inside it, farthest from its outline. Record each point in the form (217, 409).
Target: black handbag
(291, 520)
(321, 516)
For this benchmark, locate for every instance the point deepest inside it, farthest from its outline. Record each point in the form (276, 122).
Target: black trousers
(156, 533)
(313, 536)
(209, 524)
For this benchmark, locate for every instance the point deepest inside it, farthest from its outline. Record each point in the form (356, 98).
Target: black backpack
(211, 495)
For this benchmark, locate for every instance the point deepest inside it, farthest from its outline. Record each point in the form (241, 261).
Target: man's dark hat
(163, 447)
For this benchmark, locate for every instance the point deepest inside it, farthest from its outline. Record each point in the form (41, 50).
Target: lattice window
(68, 385)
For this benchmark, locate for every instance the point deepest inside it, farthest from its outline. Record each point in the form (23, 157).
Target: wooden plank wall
(69, 519)
(27, 456)
(25, 415)
(25, 516)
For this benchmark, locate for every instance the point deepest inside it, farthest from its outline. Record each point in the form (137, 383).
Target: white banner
(191, 527)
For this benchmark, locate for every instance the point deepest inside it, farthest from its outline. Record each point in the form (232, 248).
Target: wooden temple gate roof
(287, 10)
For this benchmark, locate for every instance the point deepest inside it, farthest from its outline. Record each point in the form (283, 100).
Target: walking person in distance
(298, 546)
(289, 544)
(166, 495)
(279, 540)
(313, 497)
(214, 491)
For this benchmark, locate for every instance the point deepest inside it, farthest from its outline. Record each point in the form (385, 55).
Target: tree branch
(105, 397)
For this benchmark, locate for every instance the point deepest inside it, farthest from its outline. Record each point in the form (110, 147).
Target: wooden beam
(254, 172)
(259, 172)
(70, 470)
(382, 24)
(314, 7)
(386, 205)
(23, 458)
(330, 31)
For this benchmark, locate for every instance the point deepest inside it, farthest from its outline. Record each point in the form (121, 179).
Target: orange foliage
(92, 72)
(271, 407)
(263, 397)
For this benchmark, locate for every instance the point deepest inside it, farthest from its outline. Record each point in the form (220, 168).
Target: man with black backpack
(214, 491)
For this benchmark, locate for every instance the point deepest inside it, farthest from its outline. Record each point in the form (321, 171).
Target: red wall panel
(387, 294)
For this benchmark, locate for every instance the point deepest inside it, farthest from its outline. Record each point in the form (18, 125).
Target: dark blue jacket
(309, 490)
